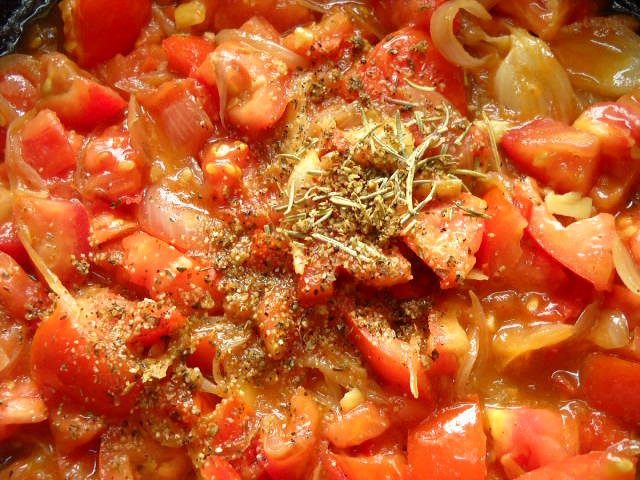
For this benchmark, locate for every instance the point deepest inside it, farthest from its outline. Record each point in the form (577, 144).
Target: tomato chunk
(451, 445)
(561, 156)
(447, 236)
(584, 246)
(20, 295)
(96, 30)
(386, 466)
(186, 54)
(613, 385)
(592, 466)
(364, 422)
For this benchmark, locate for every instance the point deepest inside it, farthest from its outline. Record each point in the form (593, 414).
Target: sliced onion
(570, 204)
(611, 330)
(290, 58)
(513, 341)
(530, 82)
(443, 35)
(165, 214)
(21, 174)
(626, 266)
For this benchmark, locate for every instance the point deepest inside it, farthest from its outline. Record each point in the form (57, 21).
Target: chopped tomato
(382, 466)
(75, 356)
(450, 445)
(612, 385)
(72, 428)
(186, 53)
(47, 146)
(153, 322)
(598, 430)
(323, 38)
(217, 468)
(395, 360)
(403, 13)
(96, 30)
(389, 269)
(247, 104)
(618, 128)
(288, 452)
(111, 169)
(591, 466)
(222, 164)
(500, 248)
(561, 156)
(276, 319)
(528, 438)
(409, 54)
(21, 402)
(584, 246)
(20, 295)
(282, 14)
(362, 423)
(203, 356)
(447, 235)
(80, 102)
(58, 231)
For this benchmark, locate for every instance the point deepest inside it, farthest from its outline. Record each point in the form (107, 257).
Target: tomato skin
(96, 30)
(584, 247)
(591, 466)
(282, 14)
(402, 13)
(68, 360)
(561, 156)
(223, 163)
(451, 445)
(217, 468)
(58, 230)
(43, 139)
(72, 428)
(500, 248)
(381, 466)
(20, 294)
(446, 237)
(612, 385)
(388, 356)
(364, 422)
(186, 54)
(409, 54)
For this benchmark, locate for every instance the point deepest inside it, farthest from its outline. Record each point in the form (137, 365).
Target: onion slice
(444, 37)
(290, 58)
(626, 266)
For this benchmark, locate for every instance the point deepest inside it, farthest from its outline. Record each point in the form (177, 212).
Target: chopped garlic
(351, 399)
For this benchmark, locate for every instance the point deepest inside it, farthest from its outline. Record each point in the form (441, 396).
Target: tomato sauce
(345, 240)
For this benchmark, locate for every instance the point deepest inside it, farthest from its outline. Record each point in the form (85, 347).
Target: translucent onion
(444, 38)
(602, 56)
(570, 204)
(530, 82)
(514, 340)
(290, 58)
(626, 266)
(611, 330)
(21, 174)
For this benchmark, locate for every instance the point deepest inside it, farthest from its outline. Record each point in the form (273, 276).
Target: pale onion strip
(480, 320)
(570, 204)
(444, 37)
(324, 7)
(290, 58)
(626, 266)
(464, 373)
(22, 176)
(611, 330)
(223, 91)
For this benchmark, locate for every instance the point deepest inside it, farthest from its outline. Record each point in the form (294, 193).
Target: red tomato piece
(217, 468)
(409, 54)
(186, 53)
(247, 104)
(447, 236)
(395, 360)
(47, 146)
(223, 163)
(290, 460)
(276, 320)
(403, 13)
(381, 466)
(79, 102)
(451, 445)
(96, 30)
(111, 169)
(584, 246)
(561, 156)
(75, 356)
(72, 428)
(324, 38)
(592, 466)
(21, 402)
(20, 295)
(364, 422)
(153, 322)
(500, 248)
(528, 438)
(612, 385)
(282, 14)
(58, 230)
